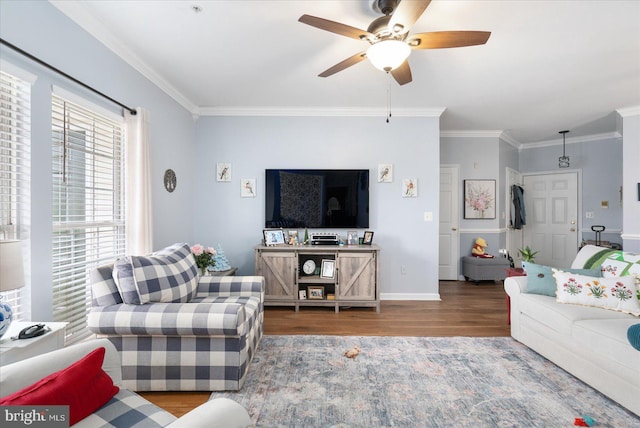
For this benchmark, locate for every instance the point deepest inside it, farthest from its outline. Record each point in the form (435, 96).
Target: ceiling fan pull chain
(388, 97)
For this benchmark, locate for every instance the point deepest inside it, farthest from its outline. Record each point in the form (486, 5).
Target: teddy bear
(478, 249)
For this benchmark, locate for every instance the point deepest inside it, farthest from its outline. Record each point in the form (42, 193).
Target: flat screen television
(317, 198)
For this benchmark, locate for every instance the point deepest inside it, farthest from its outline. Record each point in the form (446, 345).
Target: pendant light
(563, 161)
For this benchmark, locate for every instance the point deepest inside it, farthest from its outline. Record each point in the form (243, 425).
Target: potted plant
(528, 256)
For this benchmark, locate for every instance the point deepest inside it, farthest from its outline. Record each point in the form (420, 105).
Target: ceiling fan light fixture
(388, 54)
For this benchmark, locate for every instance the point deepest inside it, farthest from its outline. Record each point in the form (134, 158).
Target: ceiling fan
(389, 37)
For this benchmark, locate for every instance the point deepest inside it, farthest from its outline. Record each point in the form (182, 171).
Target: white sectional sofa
(589, 342)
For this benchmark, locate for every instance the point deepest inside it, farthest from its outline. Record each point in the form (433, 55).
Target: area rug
(306, 381)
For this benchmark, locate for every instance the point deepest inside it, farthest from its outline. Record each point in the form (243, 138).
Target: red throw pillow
(83, 386)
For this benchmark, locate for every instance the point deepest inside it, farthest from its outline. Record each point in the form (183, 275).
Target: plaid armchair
(201, 338)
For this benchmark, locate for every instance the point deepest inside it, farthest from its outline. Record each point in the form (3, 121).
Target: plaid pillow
(126, 284)
(168, 276)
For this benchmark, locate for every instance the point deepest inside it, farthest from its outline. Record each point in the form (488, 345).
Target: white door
(449, 252)
(551, 203)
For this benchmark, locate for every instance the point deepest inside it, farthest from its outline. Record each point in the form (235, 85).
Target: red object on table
(512, 272)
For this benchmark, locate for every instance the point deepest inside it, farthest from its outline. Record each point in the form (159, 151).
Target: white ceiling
(548, 65)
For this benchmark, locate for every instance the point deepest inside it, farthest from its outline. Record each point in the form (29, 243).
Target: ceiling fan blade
(406, 14)
(336, 27)
(448, 39)
(352, 60)
(402, 74)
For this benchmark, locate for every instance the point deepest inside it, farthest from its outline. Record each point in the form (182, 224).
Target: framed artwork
(368, 237)
(385, 173)
(352, 237)
(328, 270)
(480, 199)
(315, 292)
(273, 237)
(223, 171)
(302, 294)
(410, 188)
(248, 187)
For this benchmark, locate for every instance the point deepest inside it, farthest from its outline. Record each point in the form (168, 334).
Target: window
(15, 176)
(88, 206)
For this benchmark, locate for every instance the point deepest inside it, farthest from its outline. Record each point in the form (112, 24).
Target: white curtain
(138, 184)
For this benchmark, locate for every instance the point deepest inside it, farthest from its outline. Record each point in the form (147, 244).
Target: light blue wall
(601, 164)
(478, 158)
(40, 29)
(252, 144)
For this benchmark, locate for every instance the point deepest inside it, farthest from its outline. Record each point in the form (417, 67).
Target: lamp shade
(11, 267)
(388, 54)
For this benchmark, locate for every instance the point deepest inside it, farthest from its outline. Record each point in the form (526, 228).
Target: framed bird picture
(385, 173)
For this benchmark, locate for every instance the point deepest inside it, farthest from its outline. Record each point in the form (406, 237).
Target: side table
(12, 351)
(228, 272)
(512, 272)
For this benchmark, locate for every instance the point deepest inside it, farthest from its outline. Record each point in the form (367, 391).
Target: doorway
(449, 250)
(551, 202)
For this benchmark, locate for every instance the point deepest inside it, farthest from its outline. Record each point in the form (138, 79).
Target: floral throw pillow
(617, 294)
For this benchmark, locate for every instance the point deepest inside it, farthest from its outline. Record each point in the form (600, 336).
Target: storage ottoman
(484, 269)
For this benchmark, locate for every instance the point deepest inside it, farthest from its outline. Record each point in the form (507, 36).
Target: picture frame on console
(352, 237)
(273, 237)
(292, 237)
(315, 292)
(368, 237)
(328, 269)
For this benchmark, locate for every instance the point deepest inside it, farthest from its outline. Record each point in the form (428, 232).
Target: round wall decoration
(170, 180)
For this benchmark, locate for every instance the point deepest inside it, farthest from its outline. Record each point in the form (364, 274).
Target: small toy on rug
(478, 249)
(584, 421)
(352, 353)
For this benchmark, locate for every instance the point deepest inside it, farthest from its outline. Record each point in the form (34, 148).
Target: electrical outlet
(589, 214)
(403, 269)
(428, 216)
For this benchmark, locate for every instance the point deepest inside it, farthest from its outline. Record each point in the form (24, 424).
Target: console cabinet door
(279, 271)
(356, 276)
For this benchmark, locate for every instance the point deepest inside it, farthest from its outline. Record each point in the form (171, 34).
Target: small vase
(203, 271)
(6, 316)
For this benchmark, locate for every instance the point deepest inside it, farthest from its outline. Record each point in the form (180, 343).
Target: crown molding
(502, 135)
(575, 140)
(511, 141)
(471, 134)
(318, 111)
(629, 111)
(77, 12)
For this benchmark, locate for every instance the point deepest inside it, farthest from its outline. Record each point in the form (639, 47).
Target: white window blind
(88, 206)
(15, 177)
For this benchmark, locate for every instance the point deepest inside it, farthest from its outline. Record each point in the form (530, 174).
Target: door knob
(454, 229)
(573, 222)
(573, 229)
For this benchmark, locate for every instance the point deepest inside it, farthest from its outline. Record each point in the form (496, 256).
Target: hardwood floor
(465, 309)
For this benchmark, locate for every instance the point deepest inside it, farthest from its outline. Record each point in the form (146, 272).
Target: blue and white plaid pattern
(204, 345)
(208, 316)
(127, 409)
(169, 275)
(123, 277)
(103, 288)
